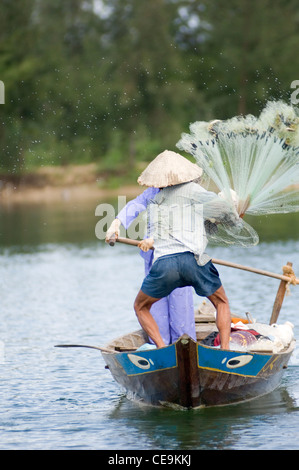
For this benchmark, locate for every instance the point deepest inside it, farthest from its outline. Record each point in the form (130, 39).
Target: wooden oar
(99, 348)
(78, 346)
(282, 277)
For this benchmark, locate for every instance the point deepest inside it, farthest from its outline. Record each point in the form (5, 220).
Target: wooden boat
(190, 373)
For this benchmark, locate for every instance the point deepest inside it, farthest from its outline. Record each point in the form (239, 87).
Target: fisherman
(167, 312)
(176, 231)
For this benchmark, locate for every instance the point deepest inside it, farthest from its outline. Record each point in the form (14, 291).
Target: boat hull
(190, 374)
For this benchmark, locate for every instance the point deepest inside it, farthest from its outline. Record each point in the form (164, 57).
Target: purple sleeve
(133, 208)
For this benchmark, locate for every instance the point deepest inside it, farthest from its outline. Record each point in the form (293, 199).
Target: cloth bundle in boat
(256, 336)
(239, 337)
(256, 159)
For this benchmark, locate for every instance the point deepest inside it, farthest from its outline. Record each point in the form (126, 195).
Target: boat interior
(205, 327)
(205, 324)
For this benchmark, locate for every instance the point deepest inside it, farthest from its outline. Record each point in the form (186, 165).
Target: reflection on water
(25, 225)
(214, 428)
(31, 225)
(276, 227)
(59, 284)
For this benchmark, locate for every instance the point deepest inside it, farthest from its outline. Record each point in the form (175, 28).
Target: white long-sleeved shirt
(176, 219)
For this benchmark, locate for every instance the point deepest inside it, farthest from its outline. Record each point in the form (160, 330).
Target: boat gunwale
(110, 349)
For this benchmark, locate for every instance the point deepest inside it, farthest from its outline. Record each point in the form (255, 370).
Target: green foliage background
(117, 81)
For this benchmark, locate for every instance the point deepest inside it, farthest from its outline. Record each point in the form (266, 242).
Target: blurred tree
(70, 89)
(154, 96)
(243, 52)
(117, 81)
(18, 67)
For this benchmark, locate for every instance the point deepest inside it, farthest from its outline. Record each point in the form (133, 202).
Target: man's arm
(131, 210)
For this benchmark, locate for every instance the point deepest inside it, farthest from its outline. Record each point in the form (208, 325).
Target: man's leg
(142, 307)
(223, 318)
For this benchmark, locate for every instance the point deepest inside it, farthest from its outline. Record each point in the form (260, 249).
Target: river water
(60, 284)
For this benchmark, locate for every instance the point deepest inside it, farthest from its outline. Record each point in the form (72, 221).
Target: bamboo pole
(229, 264)
(282, 277)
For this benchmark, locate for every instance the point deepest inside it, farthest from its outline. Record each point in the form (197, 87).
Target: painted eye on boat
(139, 361)
(238, 361)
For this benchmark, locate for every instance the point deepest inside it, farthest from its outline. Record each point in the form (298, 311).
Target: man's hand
(146, 244)
(113, 230)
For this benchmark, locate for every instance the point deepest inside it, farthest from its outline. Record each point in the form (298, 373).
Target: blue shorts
(180, 270)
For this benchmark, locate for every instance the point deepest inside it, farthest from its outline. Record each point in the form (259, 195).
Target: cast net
(252, 161)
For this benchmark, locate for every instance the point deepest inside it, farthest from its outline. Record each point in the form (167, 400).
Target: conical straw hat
(168, 169)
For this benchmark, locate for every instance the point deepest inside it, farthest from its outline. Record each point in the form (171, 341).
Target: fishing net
(252, 161)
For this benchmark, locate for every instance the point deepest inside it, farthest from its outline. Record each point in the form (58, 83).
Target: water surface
(59, 284)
